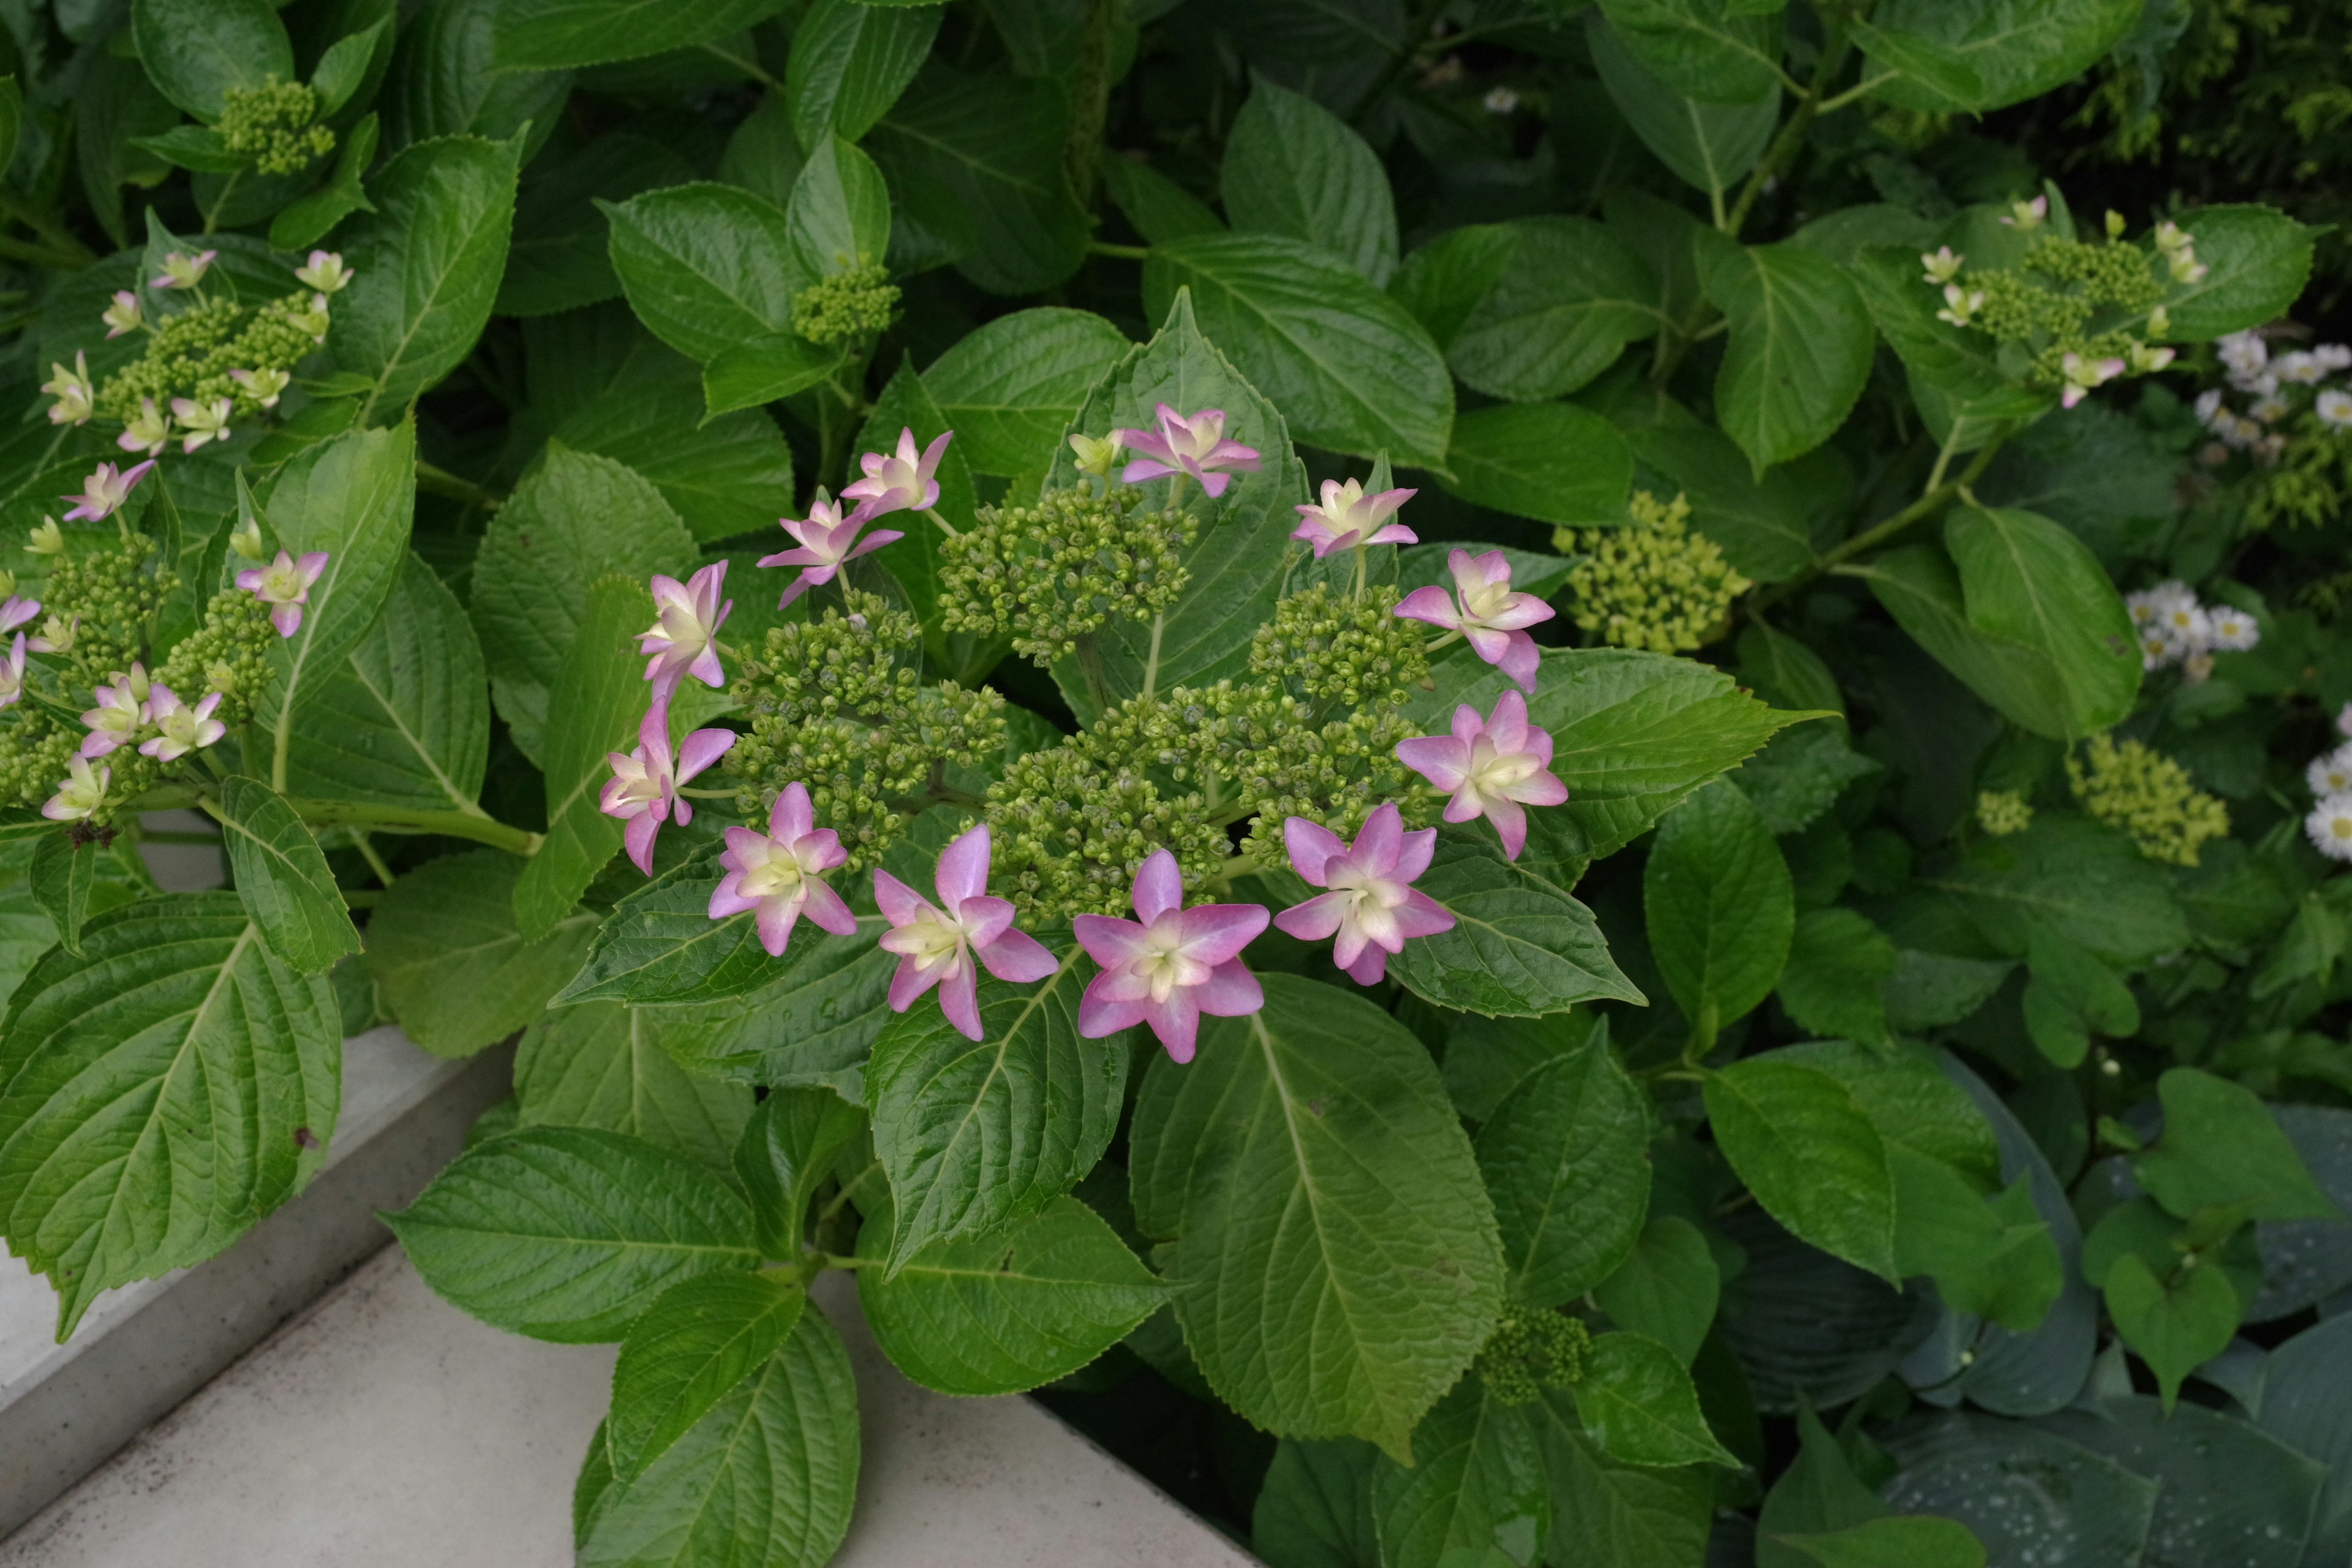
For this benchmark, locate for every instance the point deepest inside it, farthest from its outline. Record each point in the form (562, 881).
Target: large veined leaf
(1809, 1155)
(1519, 946)
(568, 1234)
(1349, 367)
(1764, 523)
(1609, 1514)
(659, 943)
(1314, 1509)
(839, 215)
(406, 720)
(549, 34)
(706, 267)
(1710, 145)
(429, 260)
(1975, 55)
(557, 259)
(1235, 564)
(766, 1476)
(159, 1093)
(700, 1339)
(1012, 386)
(1533, 309)
(449, 961)
(1800, 350)
(1720, 907)
(283, 880)
(1960, 363)
(1566, 1160)
(2079, 879)
(976, 163)
(1009, 1309)
(1554, 462)
(849, 63)
(444, 82)
(351, 497)
(1714, 50)
(1332, 1249)
(1292, 167)
(602, 1065)
(976, 1133)
(195, 50)
(1641, 1407)
(813, 1021)
(1475, 1487)
(2256, 259)
(594, 711)
(2024, 1490)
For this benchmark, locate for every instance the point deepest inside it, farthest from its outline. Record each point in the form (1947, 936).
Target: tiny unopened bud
(2115, 224)
(246, 539)
(49, 538)
(221, 676)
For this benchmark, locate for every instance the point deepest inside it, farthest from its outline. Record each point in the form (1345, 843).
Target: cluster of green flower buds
(2147, 796)
(104, 601)
(214, 355)
(276, 125)
(1070, 828)
(2001, 812)
(1654, 585)
(1062, 568)
(1531, 1350)
(846, 307)
(1329, 648)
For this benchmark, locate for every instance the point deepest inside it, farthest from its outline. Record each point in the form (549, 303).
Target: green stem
(383, 873)
(471, 824)
(945, 526)
(1872, 537)
(439, 481)
(1151, 663)
(1125, 252)
(229, 188)
(1835, 46)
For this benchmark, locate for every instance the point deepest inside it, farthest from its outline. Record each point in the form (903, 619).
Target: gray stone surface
(387, 1429)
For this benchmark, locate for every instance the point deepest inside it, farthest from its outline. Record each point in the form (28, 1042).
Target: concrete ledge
(143, 1349)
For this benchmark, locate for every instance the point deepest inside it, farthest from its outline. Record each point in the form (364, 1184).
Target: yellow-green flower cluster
(2001, 812)
(1330, 648)
(1531, 1350)
(114, 595)
(2147, 796)
(35, 746)
(2070, 297)
(2310, 482)
(228, 653)
(275, 124)
(1060, 569)
(191, 354)
(1069, 828)
(1654, 585)
(832, 707)
(846, 307)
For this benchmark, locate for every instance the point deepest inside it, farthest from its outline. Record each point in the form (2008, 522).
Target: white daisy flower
(2330, 774)
(2157, 650)
(2303, 369)
(2334, 407)
(2232, 629)
(2244, 354)
(2330, 826)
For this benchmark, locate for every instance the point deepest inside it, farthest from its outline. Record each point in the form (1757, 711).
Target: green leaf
(550, 34)
(448, 961)
(1809, 1155)
(1013, 386)
(568, 1234)
(559, 258)
(765, 370)
(2256, 259)
(1991, 1258)
(1486, 1059)
(1666, 1288)
(1904, 1541)
(2222, 1485)
(660, 945)
(792, 1143)
(444, 80)
(706, 267)
(1918, 586)
(1975, 55)
(2025, 1490)
(1910, 1099)
(1566, 1160)
(1835, 983)
(429, 261)
(2222, 1148)
(1800, 350)
(1519, 946)
(1292, 167)
(1351, 369)
(1236, 563)
(283, 880)
(767, 1475)
(2029, 582)
(1315, 1508)
(976, 162)
(573, 519)
(1709, 146)
(1010, 1309)
(1550, 461)
(195, 50)
(1642, 1409)
(1719, 906)
(63, 872)
(1706, 49)
(839, 217)
(1818, 1494)
(813, 1022)
(1332, 1251)
(12, 118)
(976, 1133)
(159, 1092)
(351, 497)
(2175, 1325)
(1159, 208)
(1961, 365)
(698, 1340)
(850, 62)
(2081, 879)
(1764, 523)
(1609, 1514)
(594, 708)
(603, 1066)
(198, 147)
(1475, 1491)
(343, 68)
(405, 721)
(1800, 775)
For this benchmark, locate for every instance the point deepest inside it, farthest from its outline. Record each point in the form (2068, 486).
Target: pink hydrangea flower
(828, 541)
(1492, 767)
(1348, 518)
(936, 945)
(1483, 608)
(1177, 965)
(184, 271)
(683, 637)
(644, 784)
(12, 674)
(123, 316)
(1372, 909)
(779, 875)
(1196, 445)
(119, 714)
(15, 612)
(285, 585)
(905, 482)
(103, 493)
(185, 728)
(80, 794)
(2081, 375)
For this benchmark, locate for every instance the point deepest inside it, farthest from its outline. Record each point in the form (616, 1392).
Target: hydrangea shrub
(1495, 731)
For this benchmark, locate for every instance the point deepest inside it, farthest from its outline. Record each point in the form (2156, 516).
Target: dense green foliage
(1778, 599)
